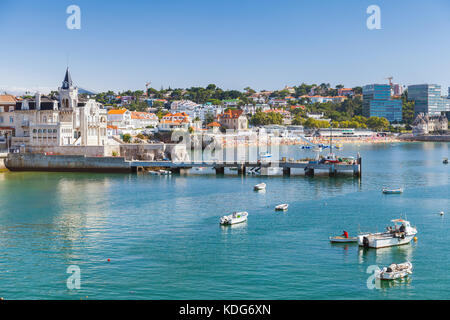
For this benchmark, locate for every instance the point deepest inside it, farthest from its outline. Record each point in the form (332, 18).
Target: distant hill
(85, 91)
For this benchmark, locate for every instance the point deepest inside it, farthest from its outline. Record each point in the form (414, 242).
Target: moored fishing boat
(395, 271)
(282, 207)
(260, 186)
(392, 191)
(401, 233)
(235, 218)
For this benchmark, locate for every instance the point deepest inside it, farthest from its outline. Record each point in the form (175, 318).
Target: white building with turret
(66, 120)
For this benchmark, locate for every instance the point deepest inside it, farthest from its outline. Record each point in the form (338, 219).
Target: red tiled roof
(142, 115)
(117, 111)
(231, 114)
(7, 98)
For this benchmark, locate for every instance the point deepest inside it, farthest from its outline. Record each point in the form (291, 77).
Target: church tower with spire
(68, 94)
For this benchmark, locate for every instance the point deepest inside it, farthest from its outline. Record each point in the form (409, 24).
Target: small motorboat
(441, 213)
(260, 187)
(341, 239)
(400, 234)
(395, 271)
(165, 172)
(445, 161)
(154, 173)
(282, 207)
(235, 218)
(392, 191)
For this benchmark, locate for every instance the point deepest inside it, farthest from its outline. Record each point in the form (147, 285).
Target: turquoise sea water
(163, 239)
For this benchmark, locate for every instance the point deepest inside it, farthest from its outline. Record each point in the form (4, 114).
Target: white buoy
(441, 213)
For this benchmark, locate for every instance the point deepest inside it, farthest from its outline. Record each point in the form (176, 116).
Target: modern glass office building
(377, 102)
(428, 99)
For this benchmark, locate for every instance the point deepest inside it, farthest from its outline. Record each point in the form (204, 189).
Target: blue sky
(257, 43)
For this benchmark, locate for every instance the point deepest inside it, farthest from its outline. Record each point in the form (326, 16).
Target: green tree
(378, 124)
(126, 138)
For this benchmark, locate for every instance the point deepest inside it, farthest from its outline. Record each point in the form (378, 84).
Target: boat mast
(331, 137)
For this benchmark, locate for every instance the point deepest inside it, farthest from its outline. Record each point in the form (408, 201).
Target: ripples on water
(163, 240)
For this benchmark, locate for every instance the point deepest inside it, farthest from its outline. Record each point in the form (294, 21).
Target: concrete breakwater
(65, 163)
(427, 138)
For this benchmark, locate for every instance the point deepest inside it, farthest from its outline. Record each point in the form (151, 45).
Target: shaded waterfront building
(377, 102)
(428, 99)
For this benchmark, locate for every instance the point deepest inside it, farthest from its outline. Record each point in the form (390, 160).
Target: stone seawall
(41, 162)
(437, 138)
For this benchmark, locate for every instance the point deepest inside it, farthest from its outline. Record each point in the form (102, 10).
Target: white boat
(282, 207)
(165, 172)
(260, 186)
(401, 233)
(395, 271)
(154, 173)
(265, 155)
(235, 218)
(392, 191)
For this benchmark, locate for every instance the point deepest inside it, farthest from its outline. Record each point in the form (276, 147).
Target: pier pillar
(286, 171)
(359, 169)
(242, 170)
(332, 171)
(220, 170)
(309, 172)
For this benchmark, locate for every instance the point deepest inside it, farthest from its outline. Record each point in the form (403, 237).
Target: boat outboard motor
(366, 242)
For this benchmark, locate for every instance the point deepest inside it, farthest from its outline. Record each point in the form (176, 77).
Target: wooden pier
(309, 167)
